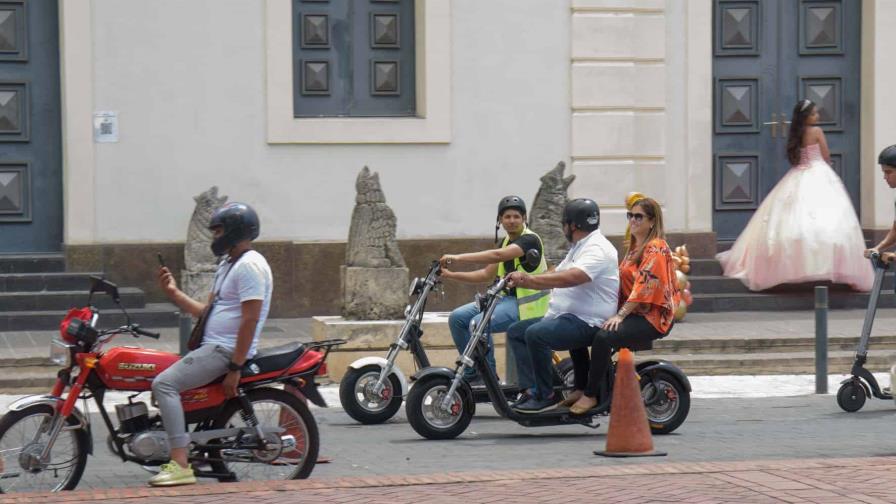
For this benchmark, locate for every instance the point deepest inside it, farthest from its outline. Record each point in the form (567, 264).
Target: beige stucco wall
(188, 78)
(641, 120)
(878, 108)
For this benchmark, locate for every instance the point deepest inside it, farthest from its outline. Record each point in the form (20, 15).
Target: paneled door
(30, 138)
(767, 55)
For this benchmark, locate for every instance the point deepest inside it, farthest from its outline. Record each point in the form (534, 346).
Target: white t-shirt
(595, 301)
(250, 279)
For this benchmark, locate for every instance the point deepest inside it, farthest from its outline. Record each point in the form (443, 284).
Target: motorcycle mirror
(99, 284)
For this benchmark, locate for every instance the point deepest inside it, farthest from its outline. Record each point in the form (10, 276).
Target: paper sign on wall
(105, 127)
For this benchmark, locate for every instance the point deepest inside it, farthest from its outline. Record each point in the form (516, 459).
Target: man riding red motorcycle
(234, 315)
(242, 424)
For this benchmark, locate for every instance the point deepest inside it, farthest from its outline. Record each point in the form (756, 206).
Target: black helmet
(582, 212)
(508, 202)
(239, 221)
(887, 156)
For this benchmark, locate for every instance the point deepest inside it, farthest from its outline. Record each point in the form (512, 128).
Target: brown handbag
(198, 332)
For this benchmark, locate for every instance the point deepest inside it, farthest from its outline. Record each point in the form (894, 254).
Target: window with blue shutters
(353, 58)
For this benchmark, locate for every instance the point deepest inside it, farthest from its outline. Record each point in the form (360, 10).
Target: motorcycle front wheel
(426, 415)
(24, 435)
(359, 401)
(293, 452)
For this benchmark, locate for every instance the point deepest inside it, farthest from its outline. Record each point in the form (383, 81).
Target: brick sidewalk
(847, 480)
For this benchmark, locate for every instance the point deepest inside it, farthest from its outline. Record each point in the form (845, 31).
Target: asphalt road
(718, 429)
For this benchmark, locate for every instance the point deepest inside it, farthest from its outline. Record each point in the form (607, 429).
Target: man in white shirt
(239, 304)
(585, 291)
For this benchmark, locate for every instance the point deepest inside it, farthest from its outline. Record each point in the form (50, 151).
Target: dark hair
(653, 211)
(802, 110)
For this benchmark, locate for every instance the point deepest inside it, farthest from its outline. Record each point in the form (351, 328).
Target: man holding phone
(234, 312)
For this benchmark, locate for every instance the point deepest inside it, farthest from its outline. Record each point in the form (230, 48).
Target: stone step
(783, 301)
(770, 363)
(151, 316)
(32, 263)
(131, 297)
(705, 267)
(37, 282)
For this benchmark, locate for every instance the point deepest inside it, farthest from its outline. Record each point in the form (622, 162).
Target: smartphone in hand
(161, 261)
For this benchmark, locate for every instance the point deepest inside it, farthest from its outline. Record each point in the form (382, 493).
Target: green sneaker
(173, 474)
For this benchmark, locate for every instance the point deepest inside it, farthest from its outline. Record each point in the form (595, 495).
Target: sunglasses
(637, 216)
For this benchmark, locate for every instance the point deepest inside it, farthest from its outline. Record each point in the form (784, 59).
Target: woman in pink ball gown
(806, 228)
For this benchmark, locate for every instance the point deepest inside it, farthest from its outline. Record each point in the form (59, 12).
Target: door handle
(774, 124)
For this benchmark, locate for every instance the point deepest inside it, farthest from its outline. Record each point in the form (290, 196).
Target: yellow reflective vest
(531, 303)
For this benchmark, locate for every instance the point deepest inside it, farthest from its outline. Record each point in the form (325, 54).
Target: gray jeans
(195, 369)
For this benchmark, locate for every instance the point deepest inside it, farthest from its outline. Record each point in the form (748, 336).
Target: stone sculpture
(547, 211)
(374, 278)
(200, 264)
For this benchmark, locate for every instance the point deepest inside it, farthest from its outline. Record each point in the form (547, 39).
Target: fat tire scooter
(862, 384)
(441, 403)
(373, 388)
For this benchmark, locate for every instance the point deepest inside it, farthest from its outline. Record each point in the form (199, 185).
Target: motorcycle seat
(273, 359)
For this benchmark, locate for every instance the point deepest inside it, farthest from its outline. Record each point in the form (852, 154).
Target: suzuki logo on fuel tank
(135, 366)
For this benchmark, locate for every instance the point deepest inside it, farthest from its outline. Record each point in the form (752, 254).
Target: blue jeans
(532, 341)
(506, 314)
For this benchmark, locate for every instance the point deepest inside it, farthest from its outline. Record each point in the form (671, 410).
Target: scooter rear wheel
(851, 396)
(666, 401)
(426, 416)
(357, 400)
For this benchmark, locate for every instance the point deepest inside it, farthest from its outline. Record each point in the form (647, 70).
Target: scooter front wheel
(425, 412)
(359, 400)
(851, 396)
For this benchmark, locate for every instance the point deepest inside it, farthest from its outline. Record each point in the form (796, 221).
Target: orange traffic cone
(629, 432)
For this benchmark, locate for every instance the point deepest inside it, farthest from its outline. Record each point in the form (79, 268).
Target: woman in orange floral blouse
(648, 295)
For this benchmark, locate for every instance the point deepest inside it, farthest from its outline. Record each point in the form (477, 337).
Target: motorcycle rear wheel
(23, 433)
(273, 407)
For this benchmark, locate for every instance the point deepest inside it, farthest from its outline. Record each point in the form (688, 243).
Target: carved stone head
(368, 187)
(208, 201)
(553, 181)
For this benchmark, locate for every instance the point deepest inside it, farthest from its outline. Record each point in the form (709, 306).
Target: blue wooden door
(767, 55)
(30, 136)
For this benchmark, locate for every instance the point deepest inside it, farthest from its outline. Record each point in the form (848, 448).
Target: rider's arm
(889, 240)
(179, 297)
(491, 256)
(479, 276)
(562, 279)
(250, 313)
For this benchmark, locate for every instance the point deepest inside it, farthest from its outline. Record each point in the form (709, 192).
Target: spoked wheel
(426, 414)
(290, 454)
(666, 400)
(23, 437)
(361, 402)
(851, 396)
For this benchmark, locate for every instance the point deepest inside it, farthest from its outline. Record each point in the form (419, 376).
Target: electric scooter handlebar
(877, 262)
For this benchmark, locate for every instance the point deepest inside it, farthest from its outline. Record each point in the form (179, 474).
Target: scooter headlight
(61, 353)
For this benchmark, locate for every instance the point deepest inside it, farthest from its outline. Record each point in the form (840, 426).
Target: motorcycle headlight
(413, 288)
(61, 353)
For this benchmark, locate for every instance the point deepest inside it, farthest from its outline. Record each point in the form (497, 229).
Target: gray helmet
(887, 156)
(583, 213)
(508, 202)
(239, 221)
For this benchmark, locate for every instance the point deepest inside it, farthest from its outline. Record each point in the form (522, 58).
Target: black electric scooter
(862, 384)
(441, 403)
(373, 388)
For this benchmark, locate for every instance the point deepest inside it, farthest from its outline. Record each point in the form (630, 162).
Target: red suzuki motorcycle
(266, 432)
